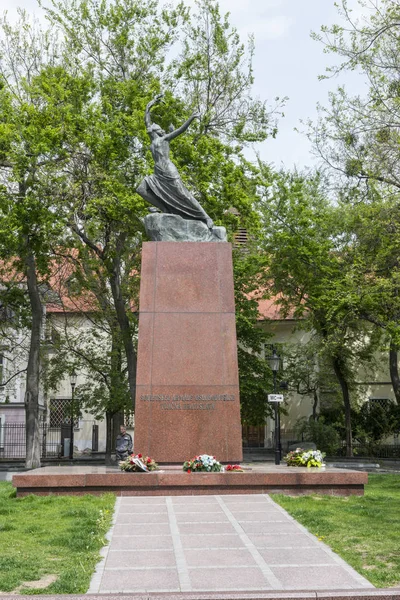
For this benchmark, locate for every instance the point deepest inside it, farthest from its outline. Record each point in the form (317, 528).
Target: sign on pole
(275, 398)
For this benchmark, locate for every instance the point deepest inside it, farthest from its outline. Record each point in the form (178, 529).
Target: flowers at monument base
(234, 468)
(305, 458)
(133, 463)
(202, 463)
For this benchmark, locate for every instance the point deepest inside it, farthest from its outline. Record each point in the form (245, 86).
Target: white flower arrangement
(202, 463)
(305, 458)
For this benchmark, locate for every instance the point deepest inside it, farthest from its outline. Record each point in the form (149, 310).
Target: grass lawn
(365, 531)
(55, 539)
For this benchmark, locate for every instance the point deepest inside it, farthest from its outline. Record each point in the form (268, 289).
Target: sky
(287, 63)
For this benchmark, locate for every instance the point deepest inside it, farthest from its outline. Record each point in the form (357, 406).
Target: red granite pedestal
(187, 400)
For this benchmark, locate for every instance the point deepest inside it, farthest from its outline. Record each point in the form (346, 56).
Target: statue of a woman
(164, 189)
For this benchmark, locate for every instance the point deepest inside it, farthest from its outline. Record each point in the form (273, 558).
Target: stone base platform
(352, 594)
(172, 481)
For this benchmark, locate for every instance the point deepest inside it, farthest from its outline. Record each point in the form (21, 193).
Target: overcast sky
(287, 63)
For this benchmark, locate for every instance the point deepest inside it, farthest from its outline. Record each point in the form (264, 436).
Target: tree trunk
(394, 370)
(109, 447)
(33, 370)
(346, 401)
(315, 406)
(116, 382)
(118, 420)
(124, 325)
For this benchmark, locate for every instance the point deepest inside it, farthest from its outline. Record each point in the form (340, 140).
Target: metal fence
(372, 450)
(13, 441)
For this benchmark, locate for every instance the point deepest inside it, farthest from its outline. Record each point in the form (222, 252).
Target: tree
(124, 46)
(75, 147)
(214, 71)
(375, 253)
(310, 274)
(89, 340)
(359, 136)
(38, 116)
(255, 376)
(307, 371)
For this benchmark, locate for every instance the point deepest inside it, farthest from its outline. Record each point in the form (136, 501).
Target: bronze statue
(164, 189)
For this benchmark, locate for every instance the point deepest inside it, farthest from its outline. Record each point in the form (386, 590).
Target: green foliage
(358, 135)
(324, 436)
(313, 273)
(255, 376)
(89, 343)
(214, 70)
(363, 530)
(74, 134)
(375, 422)
(51, 535)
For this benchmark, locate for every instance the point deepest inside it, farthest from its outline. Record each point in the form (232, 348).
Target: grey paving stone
(144, 558)
(262, 528)
(203, 517)
(215, 544)
(195, 508)
(277, 540)
(296, 556)
(223, 558)
(140, 528)
(143, 500)
(259, 517)
(141, 542)
(215, 528)
(314, 577)
(228, 579)
(139, 517)
(246, 499)
(143, 509)
(252, 507)
(154, 580)
(212, 541)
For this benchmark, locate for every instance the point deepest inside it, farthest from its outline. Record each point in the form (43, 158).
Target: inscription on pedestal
(188, 402)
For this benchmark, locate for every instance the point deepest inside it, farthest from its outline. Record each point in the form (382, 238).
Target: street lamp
(274, 364)
(72, 380)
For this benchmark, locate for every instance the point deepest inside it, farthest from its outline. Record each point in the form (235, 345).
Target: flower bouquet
(234, 468)
(202, 463)
(138, 463)
(305, 458)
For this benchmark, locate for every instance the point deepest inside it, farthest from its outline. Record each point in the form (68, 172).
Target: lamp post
(275, 363)
(72, 380)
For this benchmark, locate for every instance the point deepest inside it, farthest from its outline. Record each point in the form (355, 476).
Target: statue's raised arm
(173, 134)
(147, 115)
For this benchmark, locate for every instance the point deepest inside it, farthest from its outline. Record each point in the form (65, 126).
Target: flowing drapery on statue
(164, 189)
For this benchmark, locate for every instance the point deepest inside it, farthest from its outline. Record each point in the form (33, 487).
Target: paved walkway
(212, 544)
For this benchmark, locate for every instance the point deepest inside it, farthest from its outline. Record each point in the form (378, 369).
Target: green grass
(365, 530)
(51, 535)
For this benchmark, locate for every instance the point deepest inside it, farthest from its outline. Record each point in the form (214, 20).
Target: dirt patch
(40, 584)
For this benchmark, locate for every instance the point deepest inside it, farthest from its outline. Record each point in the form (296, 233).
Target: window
(6, 313)
(129, 420)
(382, 402)
(60, 413)
(1, 368)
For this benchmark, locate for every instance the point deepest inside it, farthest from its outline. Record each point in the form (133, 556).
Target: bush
(324, 436)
